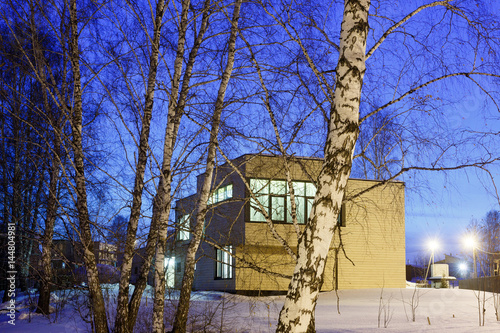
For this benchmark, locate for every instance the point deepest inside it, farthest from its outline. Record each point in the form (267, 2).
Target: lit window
(183, 228)
(278, 208)
(224, 263)
(229, 191)
(274, 196)
(221, 194)
(260, 187)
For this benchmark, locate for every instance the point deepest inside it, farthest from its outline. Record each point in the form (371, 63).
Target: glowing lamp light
(463, 267)
(470, 242)
(433, 245)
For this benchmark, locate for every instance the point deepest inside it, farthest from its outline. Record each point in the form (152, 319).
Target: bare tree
(122, 317)
(76, 122)
(485, 234)
(34, 51)
(117, 233)
(379, 147)
(201, 206)
(306, 68)
(176, 109)
(420, 146)
(491, 239)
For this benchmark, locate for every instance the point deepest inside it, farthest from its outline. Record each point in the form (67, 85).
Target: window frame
(183, 228)
(224, 263)
(228, 193)
(266, 192)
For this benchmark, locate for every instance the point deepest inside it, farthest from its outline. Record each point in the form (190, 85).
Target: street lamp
(433, 246)
(463, 268)
(470, 242)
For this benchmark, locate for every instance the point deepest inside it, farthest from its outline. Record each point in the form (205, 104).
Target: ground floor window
(224, 263)
(169, 272)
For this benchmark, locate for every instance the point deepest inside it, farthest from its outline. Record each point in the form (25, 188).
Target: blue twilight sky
(443, 204)
(438, 205)
(444, 210)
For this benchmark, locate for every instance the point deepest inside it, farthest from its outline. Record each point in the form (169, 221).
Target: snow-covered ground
(449, 310)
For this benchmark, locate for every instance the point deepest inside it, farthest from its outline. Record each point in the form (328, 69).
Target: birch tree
(124, 51)
(61, 89)
(122, 315)
(23, 149)
(181, 314)
(34, 51)
(163, 198)
(339, 147)
(423, 151)
(76, 121)
(56, 126)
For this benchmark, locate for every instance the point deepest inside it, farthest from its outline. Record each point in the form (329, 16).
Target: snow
(448, 310)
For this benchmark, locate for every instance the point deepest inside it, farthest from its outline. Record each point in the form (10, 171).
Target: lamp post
(432, 245)
(470, 241)
(474, 270)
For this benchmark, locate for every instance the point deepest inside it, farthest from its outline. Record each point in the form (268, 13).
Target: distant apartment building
(67, 254)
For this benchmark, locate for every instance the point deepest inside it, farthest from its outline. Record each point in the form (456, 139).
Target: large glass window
(274, 196)
(183, 228)
(224, 265)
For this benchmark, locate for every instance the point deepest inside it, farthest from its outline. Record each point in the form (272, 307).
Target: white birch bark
(298, 310)
(96, 297)
(163, 198)
(201, 205)
(54, 177)
(121, 323)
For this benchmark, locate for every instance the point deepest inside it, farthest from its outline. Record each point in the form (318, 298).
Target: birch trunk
(190, 259)
(96, 297)
(121, 324)
(53, 154)
(140, 286)
(297, 312)
(163, 198)
(32, 227)
(162, 202)
(51, 214)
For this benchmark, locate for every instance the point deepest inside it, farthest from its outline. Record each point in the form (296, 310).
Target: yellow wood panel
(373, 239)
(271, 259)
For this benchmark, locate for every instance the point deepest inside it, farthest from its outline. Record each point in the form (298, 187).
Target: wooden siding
(373, 239)
(306, 169)
(270, 258)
